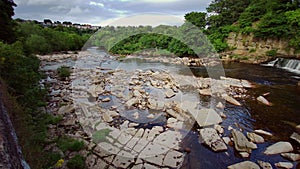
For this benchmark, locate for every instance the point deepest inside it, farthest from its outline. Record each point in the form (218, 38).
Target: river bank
(140, 116)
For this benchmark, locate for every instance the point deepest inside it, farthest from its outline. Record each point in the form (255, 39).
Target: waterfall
(292, 65)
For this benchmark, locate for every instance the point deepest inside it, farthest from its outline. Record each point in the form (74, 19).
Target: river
(280, 86)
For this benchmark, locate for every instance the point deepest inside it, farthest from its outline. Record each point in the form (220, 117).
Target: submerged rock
(210, 137)
(280, 147)
(244, 165)
(241, 143)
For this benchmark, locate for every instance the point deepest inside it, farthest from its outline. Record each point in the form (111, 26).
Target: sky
(109, 12)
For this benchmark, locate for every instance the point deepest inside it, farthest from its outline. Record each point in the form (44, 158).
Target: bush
(271, 53)
(69, 144)
(64, 72)
(77, 162)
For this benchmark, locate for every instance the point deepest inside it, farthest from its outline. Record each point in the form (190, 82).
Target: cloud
(102, 11)
(96, 4)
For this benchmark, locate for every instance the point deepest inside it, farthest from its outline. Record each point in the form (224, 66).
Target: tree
(225, 12)
(6, 13)
(196, 18)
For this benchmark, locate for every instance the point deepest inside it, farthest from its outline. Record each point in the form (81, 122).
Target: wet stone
(210, 137)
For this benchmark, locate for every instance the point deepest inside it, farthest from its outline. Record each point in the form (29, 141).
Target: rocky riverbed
(138, 118)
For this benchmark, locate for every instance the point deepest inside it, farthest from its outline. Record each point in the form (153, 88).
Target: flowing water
(279, 119)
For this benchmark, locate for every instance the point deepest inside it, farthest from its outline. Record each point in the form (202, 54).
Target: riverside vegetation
(19, 70)
(21, 41)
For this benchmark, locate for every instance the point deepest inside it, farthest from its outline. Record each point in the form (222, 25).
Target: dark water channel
(279, 119)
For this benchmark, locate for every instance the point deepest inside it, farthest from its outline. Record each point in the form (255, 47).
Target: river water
(280, 119)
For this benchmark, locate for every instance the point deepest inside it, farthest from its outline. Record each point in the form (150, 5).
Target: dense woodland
(19, 42)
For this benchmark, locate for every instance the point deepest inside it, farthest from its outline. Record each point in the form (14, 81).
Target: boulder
(207, 117)
(291, 156)
(297, 128)
(244, 165)
(280, 147)
(107, 99)
(255, 138)
(284, 165)
(205, 92)
(170, 93)
(131, 102)
(296, 137)
(231, 100)
(264, 165)
(241, 143)
(262, 132)
(220, 105)
(263, 101)
(210, 137)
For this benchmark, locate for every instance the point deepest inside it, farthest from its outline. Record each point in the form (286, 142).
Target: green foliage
(41, 40)
(7, 25)
(252, 50)
(69, 144)
(64, 72)
(77, 162)
(228, 12)
(52, 158)
(196, 18)
(271, 53)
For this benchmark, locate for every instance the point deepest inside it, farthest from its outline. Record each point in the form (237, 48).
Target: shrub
(76, 162)
(252, 50)
(69, 144)
(271, 53)
(64, 72)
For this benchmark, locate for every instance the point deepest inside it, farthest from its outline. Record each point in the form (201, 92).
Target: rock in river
(244, 165)
(291, 156)
(210, 137)
(264, 101)
(255, 138)
(264, 165)
(131, 102)
(296, 137)
(241, 143)
(231, 100)
(284, 165)
(207, 117)
(170, 93)
(280, 147)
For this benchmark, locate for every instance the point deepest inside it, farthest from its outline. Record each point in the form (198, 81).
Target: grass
(76, 162)
(69, 144)
(64, 72)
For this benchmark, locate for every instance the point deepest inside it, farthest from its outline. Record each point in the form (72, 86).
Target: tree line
(278, 19)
